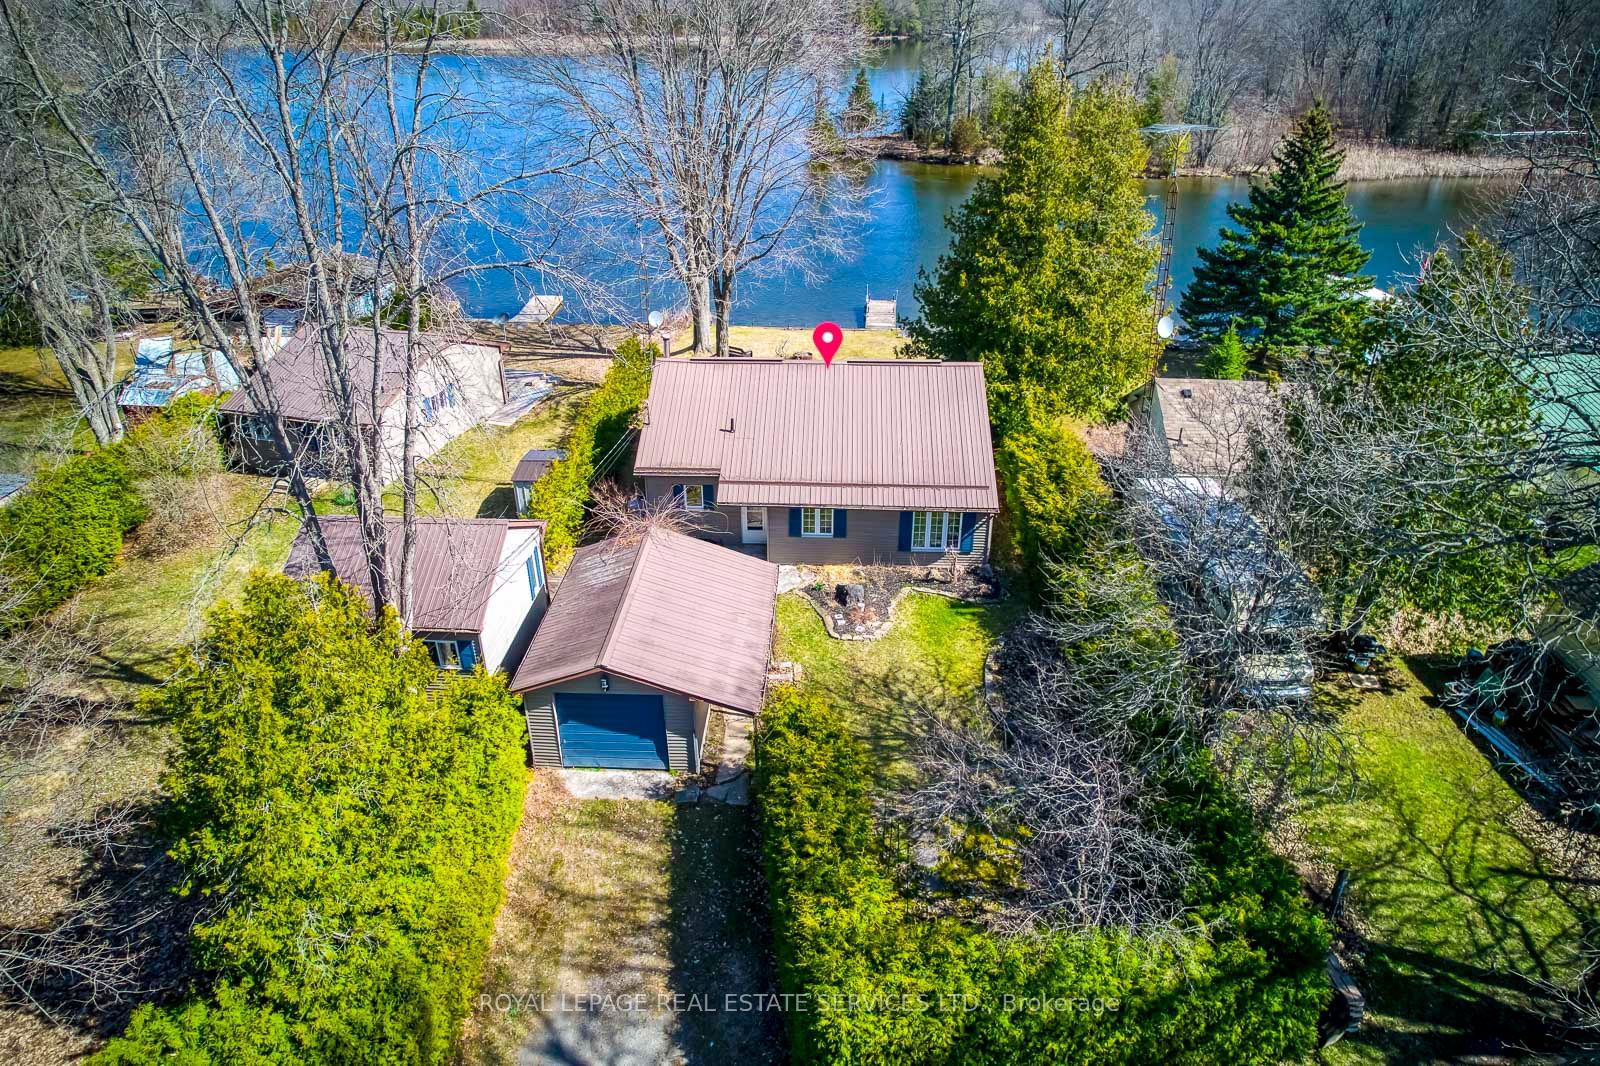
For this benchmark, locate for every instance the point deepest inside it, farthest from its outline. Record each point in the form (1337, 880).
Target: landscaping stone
(690, 794)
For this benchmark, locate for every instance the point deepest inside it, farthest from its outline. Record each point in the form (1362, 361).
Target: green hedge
(562, 494)
(1052, 497)
(66, 528)
(1242, 984)
(353, 827)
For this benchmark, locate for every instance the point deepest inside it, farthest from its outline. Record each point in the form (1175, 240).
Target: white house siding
(512, 613)
(543, 741)
(474, 369)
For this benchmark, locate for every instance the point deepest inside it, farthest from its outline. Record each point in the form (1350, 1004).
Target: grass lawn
(471, 476)
(1458, 904)
(154, 602)
(932, 657)
(623, 898)
(766, 342)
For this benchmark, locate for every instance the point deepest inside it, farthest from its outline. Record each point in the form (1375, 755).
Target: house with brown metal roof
(864, 461)
(478, 584)
(643, 642)
(458, 384)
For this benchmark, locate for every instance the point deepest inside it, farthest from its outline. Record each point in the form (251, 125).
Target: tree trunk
(700, 312)
(724, 303)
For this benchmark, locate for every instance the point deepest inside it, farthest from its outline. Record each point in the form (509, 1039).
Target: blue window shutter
(538, 563)
(533, 579)
(468, 653)
(969, 522)
(677, 496)
(839, 523)
(794, 521)
(905, 531)
(709, 493)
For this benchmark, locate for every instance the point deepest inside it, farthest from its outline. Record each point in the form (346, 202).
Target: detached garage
(642, 641)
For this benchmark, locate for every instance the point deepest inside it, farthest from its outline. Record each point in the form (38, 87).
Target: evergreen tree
(860, 112)
(1226, 359)
(1045, 280)
(1291, 270)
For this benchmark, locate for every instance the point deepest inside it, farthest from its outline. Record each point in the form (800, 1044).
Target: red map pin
(827, 337)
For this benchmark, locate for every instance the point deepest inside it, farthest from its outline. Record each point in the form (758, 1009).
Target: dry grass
(776, 342)
(1246, 148)
(625, 897)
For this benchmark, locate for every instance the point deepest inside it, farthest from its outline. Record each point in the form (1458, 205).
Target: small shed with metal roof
(530, 468)
(643, 641)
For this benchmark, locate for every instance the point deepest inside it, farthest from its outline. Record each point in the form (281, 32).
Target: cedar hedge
(1052, 499)
(878, 981)
(66, 528)
(562, 494)
(352, 827)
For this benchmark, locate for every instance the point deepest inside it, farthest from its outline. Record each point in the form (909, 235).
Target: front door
(755, 525)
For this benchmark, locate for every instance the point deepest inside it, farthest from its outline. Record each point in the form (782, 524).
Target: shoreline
(1363, 161)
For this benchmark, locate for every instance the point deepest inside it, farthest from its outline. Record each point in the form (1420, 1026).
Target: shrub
(1052, 496)
(1242, 983)
(66, 529)
(561, 496)
(1226, 358)
(966, 138)
(353, 827)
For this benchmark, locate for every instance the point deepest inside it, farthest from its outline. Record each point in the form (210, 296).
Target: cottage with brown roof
(457, 384)
(863, 461)
(643, 641)
(478, 584)
(1201, 426)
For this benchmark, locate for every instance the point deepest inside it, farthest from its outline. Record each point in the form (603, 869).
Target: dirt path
(627, 924)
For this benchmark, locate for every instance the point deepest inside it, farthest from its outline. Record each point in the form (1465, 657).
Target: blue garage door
(623, 732)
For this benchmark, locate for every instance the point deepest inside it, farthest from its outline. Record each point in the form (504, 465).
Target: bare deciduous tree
(700, 114)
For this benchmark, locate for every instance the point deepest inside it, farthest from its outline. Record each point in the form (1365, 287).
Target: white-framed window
(535, 568)
(816, 521)
(446, 653)
(935, 531)
(694, 497)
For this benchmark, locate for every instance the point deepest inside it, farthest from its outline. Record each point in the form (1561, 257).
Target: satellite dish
(501, 319)
(656, 318)
(1164, 327)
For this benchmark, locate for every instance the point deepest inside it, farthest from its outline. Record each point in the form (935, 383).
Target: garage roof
(881, 434)
(668, 611)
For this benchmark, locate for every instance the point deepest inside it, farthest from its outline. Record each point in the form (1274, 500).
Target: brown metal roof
(895, 434)
(669, 611)
(531, 467)
(302, 382)
(454, 565)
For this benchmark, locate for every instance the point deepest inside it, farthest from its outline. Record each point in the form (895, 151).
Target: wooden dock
(538, 310)
(880, 314)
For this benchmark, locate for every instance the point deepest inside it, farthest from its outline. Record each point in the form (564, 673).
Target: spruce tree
(1291, 270)
(1227, 358)
(1047, 273)
(860, 112)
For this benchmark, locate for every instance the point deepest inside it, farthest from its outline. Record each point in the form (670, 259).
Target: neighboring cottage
(1200, 425)
(478, 584)
(161, 375)
(1571, 627)
(643, 642)
(458, 383)
(861, 462)
(530, 468)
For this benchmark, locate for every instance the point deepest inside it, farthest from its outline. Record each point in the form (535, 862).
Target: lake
(906, 232)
